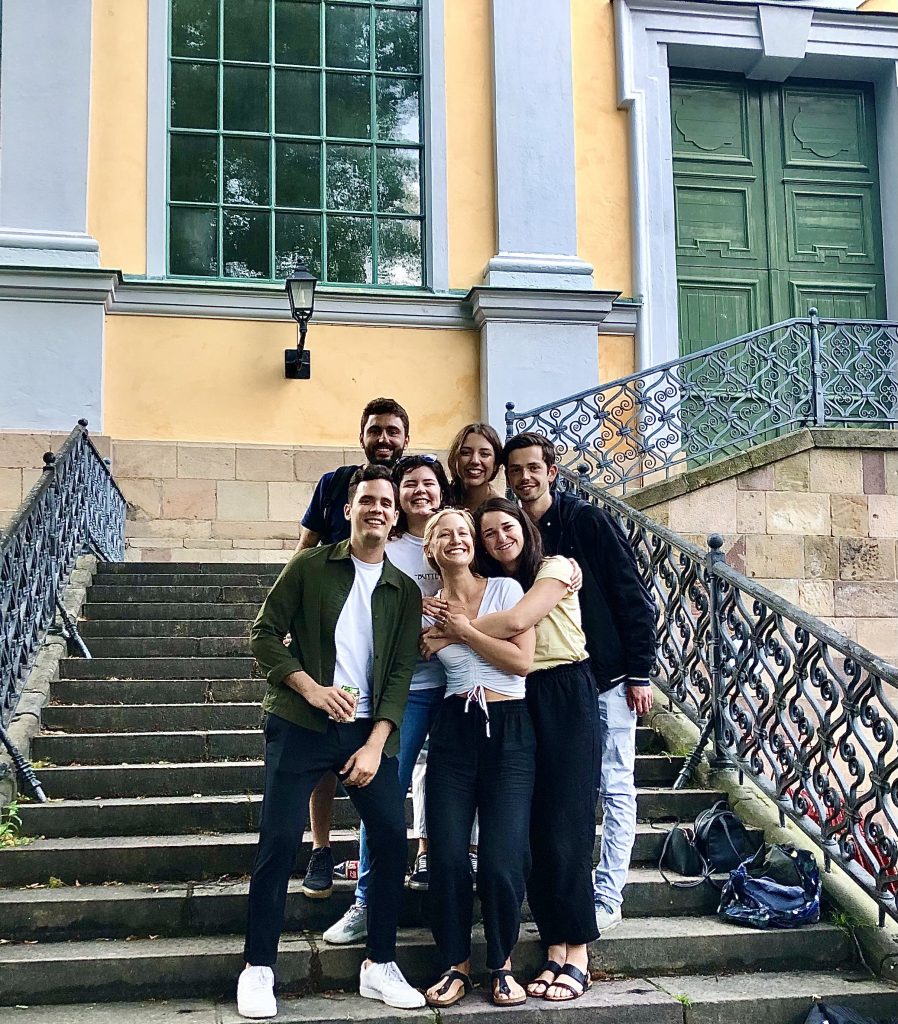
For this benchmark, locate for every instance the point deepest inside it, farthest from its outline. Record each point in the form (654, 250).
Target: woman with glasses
(481, 760)
(474, 460)
(560, 697)
(423, 488)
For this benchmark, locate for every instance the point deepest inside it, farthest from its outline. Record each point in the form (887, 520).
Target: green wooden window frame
(295, 134)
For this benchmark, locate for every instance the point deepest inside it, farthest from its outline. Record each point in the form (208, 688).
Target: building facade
(503, 200)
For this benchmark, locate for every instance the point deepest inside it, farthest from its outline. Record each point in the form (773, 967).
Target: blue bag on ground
(777, 888)
(829, 1013)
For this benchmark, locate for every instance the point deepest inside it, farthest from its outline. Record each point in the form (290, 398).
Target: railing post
(717, 759)
(509, 420)
(816, 370)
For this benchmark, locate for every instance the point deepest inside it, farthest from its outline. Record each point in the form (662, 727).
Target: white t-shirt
(466, 671)
(407, 554)
(354, 636)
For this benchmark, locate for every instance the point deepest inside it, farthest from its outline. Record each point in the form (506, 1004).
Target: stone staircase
(135, 889)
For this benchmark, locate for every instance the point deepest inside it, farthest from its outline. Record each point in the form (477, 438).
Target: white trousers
(617, 791)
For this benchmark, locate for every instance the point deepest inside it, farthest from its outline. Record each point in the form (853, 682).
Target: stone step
(92, 971)
(126, 594)
(206, 742)
(89, 782)
(147, 718)
(171, 646)
(121, 572)
(153, 816)
(96, 629)
(762, 998)
(187, 858)
(156, 691)
(175, 577)
(165, 610)
(157, 668)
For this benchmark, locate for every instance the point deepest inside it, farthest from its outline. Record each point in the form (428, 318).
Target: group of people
(515, 640)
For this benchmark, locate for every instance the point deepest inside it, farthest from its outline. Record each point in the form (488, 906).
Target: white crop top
(467, 673)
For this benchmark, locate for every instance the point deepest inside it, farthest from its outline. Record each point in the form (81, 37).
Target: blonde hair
(434, 521)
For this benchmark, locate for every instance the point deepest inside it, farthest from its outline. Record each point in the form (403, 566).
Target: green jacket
(306, 601)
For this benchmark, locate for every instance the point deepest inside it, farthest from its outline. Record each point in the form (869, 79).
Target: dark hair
(371, 472)
(530, 439)
(384, 407)
(457, 487)
(531, 554)
(405, 466)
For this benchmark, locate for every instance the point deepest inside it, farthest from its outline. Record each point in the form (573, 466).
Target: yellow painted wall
(117, 187)
(169, 378)
(617, 356)
(602, 149)
(470, 156)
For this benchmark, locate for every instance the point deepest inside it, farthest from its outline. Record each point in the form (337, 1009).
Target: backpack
(777, 888)
(336, 488)
(717, 842)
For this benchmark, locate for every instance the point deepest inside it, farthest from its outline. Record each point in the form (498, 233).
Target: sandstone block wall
(818, 526)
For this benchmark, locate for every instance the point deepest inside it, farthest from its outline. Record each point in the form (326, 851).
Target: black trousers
(468, 772)
(295, 759)
(562, 705)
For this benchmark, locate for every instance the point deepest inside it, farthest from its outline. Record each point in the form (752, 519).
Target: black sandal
(577, 975)
(549, 965)
(500, 976)
(447, 977)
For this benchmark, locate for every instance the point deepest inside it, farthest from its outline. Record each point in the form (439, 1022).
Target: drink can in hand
(355, 693)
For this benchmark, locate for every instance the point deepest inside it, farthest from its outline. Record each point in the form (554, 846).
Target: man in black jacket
(619, 622)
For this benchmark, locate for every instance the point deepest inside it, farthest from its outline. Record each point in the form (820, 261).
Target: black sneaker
(318, 883)
(418, 879)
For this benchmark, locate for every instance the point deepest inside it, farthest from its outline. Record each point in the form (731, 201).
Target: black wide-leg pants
(468, 771)
(562, 705)
(295, 759)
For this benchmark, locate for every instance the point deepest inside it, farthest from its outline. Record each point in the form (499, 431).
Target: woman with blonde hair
(474, 461)
(481, 761)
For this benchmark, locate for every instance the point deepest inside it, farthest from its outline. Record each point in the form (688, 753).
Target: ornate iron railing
(808, 715)
(720, 401)
(74, 508)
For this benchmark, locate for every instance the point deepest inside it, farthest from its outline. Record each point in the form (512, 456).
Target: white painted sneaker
(607, 918)
(255, 993)
(352, 927)
(386, 983)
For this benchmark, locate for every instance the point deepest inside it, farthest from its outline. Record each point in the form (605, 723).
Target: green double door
(777, 204)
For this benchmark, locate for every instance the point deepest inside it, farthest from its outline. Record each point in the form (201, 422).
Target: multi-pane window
(295, 136)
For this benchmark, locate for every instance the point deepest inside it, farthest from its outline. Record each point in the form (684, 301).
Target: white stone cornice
(57, 284)
(544, 305)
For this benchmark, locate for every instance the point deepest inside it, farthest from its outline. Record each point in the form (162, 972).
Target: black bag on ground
(679, 854)
(829, 1013)
(722, 839)
(777, 888)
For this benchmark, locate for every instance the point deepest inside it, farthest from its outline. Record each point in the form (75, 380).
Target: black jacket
(617, 610)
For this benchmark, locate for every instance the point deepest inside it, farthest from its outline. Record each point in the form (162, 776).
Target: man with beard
(384, 436)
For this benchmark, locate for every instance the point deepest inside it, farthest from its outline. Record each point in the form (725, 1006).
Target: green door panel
(777, 204)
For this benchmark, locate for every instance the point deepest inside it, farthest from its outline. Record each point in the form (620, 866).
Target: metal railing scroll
(647, 426)
(74, 508)
(809, 716)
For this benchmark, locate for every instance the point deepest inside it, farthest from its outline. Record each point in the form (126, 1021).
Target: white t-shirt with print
(407, 554)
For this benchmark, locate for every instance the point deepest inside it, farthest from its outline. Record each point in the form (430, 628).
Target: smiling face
(419, 493)
(373, 512)
(451, 544)
(476, 461)
(384, 438)
(502, 537)
(528, 475)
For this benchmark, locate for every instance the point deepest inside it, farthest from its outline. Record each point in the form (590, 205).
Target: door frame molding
(770, 41)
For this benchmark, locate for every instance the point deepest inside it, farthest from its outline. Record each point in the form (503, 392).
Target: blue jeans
(420, 712)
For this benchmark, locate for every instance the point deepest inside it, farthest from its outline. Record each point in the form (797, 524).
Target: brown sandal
(447, 977)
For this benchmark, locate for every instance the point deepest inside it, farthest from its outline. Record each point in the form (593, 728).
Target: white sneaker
(352, 927)
(607, 918)
(255, 993)
(386, 983)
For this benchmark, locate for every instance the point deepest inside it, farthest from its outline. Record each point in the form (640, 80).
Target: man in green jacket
(335, 701)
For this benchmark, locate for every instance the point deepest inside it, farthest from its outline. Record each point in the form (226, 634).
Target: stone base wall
(812, 516)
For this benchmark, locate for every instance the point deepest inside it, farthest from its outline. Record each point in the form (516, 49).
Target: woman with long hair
(423, 489)
(481, 761)
(560, 697)
(474, 461)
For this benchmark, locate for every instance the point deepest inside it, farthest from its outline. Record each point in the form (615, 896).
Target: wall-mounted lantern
(300, 287)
